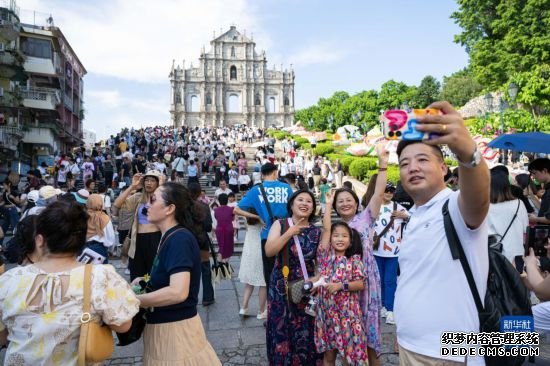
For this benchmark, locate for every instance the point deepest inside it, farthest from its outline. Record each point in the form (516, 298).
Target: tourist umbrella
(535, 142)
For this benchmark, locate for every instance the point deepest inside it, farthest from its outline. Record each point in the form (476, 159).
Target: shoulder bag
(494, 241)
(377, 237)
(267, 205)
(295, 289)
(96, 340)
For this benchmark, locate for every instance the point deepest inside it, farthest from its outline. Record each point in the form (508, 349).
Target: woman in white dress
(251, 268)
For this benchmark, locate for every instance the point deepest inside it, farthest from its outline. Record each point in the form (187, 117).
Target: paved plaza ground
(241, 341)
(237, 340)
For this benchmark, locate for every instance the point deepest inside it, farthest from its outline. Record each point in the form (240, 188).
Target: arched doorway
(234, 105)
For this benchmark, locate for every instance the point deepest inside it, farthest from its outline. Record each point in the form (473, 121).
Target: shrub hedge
(324, 148)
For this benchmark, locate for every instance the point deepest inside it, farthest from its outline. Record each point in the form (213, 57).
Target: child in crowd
(233, 179)
(204, 198)
(224, 228)
(339, 327)
(324, 189)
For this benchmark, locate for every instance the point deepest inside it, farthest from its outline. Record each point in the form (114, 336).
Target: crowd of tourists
(324, 287)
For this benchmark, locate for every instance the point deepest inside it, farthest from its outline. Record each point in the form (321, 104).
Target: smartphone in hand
(88, 256)
(400, 124)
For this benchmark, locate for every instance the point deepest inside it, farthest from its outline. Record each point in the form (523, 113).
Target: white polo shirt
(433, 295)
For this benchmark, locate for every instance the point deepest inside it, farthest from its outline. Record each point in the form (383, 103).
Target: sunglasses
(389, 190)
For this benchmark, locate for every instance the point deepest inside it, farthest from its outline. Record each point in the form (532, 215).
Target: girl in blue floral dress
(339, 325)
(290, 330)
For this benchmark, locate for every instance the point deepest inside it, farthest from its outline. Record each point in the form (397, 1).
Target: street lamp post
(513, 91)
(504, 156)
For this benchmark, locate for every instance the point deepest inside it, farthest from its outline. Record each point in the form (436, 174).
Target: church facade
(232, 85)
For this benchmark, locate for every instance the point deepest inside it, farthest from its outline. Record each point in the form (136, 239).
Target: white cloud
(318, 53)
(113, 110)
(137, 40)
(109, 98)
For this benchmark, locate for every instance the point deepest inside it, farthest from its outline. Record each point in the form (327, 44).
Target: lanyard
(299, 250)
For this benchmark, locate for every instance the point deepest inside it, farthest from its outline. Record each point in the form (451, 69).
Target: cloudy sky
(127, 46)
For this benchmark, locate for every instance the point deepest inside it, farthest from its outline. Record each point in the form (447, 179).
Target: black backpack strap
(511, 222)
(457, 252)
(267, 205)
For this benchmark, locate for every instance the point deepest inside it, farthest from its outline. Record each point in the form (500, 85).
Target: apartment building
(41, 98)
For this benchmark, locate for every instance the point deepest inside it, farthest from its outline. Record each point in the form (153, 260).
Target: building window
(286, 101)
(257, 100)
(232, 51)
(35, 47)
(234, 104)
(233, 73)
(271, 105)
(208, 98)
(194, 103)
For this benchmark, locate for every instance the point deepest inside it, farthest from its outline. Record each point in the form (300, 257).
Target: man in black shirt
(540, 170)
(140, 164)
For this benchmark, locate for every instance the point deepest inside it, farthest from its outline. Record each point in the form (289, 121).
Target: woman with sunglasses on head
(174, 334)
(144, 235)
(346, 204)
(389, 230)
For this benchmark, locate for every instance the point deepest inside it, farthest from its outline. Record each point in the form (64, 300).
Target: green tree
(393, 94)
(534, 92)
(428, 92)
(504, 37)
(460, 87)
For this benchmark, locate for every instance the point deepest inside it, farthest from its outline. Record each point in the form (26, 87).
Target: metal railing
(41, 94)
(11, 5)
(10, 136)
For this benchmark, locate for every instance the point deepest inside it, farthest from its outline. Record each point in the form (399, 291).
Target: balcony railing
(41, 98)
(10, 5)
(10, 136)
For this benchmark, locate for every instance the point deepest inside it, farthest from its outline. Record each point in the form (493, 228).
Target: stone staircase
(210, 189)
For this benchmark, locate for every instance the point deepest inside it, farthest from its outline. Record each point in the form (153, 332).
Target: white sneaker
(389, 318)
(383, 312)
(243, 312)
(261, 316)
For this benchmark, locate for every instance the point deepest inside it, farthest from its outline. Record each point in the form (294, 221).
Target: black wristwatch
(346, 287)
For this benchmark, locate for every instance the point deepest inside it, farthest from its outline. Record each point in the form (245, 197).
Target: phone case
(400, 124)
(88, 256)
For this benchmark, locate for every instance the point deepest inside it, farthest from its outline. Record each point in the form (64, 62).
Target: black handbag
(135, 331)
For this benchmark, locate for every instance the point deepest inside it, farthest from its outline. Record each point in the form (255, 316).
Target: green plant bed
(393, 173)
(360, 167)
(324, 148)
(301, 141)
